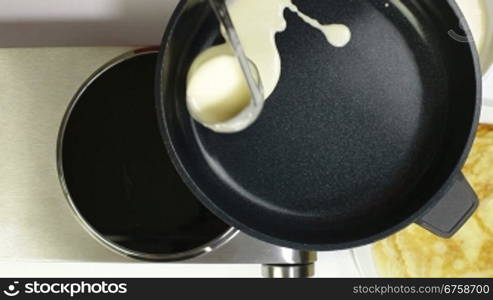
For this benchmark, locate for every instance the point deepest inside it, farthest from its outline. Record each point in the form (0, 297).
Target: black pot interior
(116, 171)
(353, 144)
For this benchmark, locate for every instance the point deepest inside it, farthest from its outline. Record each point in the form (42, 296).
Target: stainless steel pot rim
(192, 253)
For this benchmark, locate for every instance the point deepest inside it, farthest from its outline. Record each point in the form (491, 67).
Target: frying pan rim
(207, 202)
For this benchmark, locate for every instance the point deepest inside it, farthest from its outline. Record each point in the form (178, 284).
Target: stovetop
(83, 23)
(36, 224)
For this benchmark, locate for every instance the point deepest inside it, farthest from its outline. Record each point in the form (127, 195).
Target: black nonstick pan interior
(353, 144)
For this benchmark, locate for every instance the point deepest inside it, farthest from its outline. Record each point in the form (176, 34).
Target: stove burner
(116, 172)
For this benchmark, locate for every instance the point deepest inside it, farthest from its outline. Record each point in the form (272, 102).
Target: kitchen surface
(46, 53)
(42, 236)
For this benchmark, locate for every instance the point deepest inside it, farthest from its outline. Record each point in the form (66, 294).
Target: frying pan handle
(452, 211)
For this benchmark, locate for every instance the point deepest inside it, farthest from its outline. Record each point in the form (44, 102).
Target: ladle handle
(221, 10)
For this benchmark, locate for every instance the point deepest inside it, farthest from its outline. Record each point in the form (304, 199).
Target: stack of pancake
(414, 252)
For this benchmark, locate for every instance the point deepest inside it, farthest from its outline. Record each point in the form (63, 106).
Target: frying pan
(354, 144)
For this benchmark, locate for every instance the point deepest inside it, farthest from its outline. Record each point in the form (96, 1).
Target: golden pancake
(414, 252)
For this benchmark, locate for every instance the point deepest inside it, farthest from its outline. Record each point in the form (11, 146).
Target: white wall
(25, 23)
